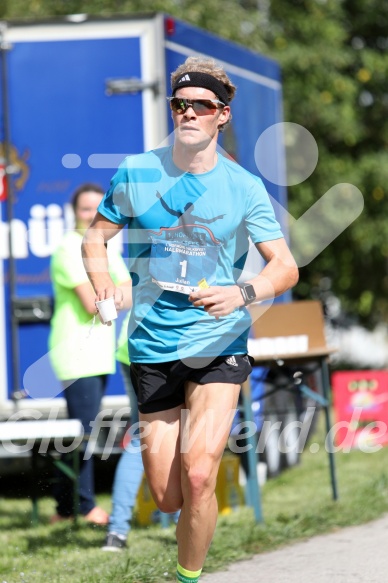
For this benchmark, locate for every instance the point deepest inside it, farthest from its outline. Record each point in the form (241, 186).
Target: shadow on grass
(86, 536)
(65, 537)
(166, 536)
(16, 520)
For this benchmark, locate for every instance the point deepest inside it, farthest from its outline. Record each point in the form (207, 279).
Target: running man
(188, 342)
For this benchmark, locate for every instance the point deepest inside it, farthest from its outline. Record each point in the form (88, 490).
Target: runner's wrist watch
(248, 293)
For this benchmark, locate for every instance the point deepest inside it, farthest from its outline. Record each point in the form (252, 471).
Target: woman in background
(82, 349)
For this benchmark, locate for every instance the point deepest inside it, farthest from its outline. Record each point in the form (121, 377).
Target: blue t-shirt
(184, 227)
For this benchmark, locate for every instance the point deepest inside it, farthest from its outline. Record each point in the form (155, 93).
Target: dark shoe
(114, 543)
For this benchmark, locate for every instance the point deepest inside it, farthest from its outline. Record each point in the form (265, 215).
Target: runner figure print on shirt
(184, 254)
(186, 217)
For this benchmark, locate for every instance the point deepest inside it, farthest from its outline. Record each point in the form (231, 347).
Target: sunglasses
(200, 106)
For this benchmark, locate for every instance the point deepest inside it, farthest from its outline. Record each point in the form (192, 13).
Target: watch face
(250, 292)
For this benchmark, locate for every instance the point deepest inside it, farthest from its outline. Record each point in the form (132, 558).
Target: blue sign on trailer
(82, 95)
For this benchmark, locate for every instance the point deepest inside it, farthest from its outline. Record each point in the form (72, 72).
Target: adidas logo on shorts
(184, 78)
(231, 360)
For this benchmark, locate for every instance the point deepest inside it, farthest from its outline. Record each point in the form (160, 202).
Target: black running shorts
(162, 386)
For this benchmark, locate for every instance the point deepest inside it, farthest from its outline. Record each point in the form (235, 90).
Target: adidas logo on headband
(205, 80)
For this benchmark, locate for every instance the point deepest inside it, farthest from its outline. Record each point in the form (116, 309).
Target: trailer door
(82, 96)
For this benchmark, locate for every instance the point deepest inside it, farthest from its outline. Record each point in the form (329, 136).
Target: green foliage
(334, 59)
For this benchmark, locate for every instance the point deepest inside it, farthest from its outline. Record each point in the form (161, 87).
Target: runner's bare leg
(186, 479)
(211, 410)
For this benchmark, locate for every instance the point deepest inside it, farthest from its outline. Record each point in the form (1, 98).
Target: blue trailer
(78, 95)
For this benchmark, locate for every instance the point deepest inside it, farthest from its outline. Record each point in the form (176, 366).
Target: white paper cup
(107, 309)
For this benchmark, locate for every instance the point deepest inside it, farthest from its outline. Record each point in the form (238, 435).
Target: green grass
(296, 505)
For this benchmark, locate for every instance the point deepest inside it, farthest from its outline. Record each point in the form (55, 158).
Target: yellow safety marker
(203, 284)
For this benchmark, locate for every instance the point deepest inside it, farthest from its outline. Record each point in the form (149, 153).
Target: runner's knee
(199, 484)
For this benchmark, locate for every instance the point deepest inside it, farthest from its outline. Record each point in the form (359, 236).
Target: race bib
(179, 265)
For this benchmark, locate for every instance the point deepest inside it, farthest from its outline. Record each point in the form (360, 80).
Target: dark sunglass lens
(203, 106)
(178, 105)
(200, 106)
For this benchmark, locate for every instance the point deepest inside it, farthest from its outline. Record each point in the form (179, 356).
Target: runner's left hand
(217, 300)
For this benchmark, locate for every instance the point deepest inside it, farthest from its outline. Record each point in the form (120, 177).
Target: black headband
(197, 79)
